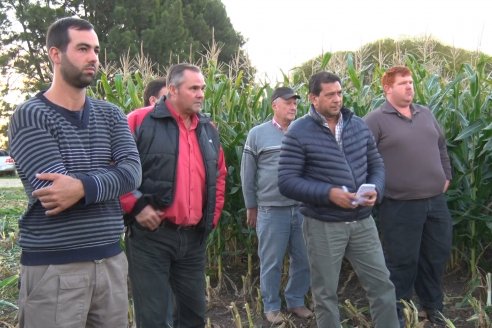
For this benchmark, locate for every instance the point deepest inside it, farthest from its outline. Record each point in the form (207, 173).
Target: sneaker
(301, 312)
(274, 317)
(435, 317)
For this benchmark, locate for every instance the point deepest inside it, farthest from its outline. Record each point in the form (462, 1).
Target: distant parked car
(7, 164)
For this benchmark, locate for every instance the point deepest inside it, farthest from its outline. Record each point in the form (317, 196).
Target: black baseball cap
(284, 93)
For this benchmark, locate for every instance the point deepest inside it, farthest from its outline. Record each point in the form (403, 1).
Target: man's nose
(93, 56)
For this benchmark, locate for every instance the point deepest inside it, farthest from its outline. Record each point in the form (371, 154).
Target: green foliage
(167, 31)
(124, 91)
(432, 56)
(12, 203)
(465, 115)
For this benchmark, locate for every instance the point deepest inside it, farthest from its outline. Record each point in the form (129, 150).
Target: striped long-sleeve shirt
(95, 146)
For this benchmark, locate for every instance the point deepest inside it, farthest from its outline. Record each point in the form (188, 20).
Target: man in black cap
(276, 218)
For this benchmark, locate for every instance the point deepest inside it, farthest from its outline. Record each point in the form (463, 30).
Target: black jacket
(311, 163)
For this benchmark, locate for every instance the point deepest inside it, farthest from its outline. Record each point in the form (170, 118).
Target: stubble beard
(73, 75)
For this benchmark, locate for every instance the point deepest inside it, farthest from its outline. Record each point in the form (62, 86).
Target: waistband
(174, 226)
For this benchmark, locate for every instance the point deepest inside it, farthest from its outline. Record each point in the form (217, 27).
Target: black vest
(157, 140)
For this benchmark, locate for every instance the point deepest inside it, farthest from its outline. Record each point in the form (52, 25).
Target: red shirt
(188, 203)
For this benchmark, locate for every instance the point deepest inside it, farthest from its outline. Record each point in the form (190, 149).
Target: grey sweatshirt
(414, 152)
(259, 167)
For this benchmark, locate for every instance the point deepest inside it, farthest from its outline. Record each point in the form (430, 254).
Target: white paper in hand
(364, 188)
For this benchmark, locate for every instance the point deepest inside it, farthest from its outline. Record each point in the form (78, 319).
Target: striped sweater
(95, 146)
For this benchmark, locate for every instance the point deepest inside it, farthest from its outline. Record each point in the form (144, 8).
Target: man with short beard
(75, 156)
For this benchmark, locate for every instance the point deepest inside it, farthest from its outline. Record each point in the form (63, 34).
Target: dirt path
(10, 183)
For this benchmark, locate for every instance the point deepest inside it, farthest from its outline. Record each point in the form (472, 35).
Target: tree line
(165, 31)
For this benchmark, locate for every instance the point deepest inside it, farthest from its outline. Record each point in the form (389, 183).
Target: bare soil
(221, 313)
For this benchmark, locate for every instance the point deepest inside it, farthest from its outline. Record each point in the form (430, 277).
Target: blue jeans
(417, 237)
(279, 229)
(162, 261)
(328, 243)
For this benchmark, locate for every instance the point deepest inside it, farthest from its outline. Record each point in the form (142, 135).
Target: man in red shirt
(178, 203)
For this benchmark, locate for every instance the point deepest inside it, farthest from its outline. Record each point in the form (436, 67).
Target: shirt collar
(388, 108)
(278, 126)
(179, 119)
(317, 116)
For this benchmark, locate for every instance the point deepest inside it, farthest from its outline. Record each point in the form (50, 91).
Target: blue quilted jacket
(312, 162)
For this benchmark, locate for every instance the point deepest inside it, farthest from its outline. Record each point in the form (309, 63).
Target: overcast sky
(281, 34)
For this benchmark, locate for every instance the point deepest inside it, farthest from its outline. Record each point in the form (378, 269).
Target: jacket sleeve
(220, 187)
(375, 166)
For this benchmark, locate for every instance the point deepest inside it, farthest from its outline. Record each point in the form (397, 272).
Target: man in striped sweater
(75, 156)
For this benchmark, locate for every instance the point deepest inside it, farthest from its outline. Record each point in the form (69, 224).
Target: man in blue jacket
(325, 156)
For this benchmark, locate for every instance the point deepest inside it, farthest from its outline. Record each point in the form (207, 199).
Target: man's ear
(312, 98)
(153, 100)
(55, 55)
(172, 90)
(386, 88)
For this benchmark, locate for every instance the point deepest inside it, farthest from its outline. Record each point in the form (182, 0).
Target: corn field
(462, 104)
(461, 101)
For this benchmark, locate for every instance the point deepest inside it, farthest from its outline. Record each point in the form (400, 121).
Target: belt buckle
(183, 227)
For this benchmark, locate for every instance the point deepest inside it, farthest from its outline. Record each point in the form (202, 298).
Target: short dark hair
(319, 78)
(152, 89)
(176, 72)
(57, 35)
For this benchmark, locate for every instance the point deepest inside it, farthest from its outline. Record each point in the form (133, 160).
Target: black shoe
(435, 317)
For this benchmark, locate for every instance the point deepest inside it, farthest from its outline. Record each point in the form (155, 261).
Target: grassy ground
(12, 204)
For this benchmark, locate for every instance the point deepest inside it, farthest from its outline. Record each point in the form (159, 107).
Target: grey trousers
(327, 244)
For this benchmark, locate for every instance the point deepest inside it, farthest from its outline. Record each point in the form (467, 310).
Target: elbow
(137, 178)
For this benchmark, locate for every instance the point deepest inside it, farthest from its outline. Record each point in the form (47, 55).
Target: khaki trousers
(75, 295)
